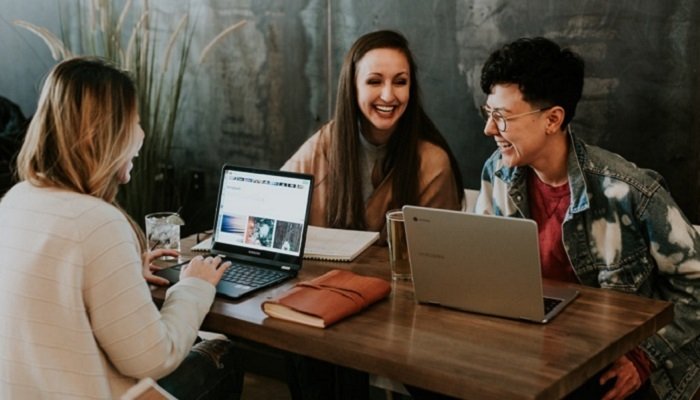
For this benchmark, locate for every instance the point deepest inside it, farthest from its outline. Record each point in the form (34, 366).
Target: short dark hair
(546, 74)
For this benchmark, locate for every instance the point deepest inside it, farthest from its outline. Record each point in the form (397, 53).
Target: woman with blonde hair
(76, 314)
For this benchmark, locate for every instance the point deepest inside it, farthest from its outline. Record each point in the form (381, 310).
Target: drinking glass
(398, 248)
(163, 231)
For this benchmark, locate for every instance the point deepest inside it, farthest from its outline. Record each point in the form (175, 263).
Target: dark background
(270, 85)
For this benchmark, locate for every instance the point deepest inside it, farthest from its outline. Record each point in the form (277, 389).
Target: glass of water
(163, 231)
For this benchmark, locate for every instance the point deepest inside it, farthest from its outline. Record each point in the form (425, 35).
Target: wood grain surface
(456, 353)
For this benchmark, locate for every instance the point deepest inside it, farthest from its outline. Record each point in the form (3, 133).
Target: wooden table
(456, 353)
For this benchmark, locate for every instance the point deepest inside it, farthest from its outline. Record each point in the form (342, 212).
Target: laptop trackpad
(231, 289)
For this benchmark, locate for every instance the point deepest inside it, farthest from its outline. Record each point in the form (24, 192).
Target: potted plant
(132, 40)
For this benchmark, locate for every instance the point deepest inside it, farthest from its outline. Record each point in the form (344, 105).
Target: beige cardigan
(436, 187)
(76, 316)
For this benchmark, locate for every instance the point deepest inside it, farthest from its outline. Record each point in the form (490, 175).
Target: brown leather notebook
(327, 299)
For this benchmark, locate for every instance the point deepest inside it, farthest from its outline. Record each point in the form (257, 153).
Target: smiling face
(383, 83)
(525, 140)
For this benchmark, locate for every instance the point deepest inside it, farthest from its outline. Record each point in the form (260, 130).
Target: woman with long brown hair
(381, 150)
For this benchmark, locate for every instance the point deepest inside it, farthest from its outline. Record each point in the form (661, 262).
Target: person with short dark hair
(602, 221)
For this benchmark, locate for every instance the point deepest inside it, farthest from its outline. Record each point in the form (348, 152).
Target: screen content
(262, 212)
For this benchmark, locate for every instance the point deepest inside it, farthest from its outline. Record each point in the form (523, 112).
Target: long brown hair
(345, 203)
(83, 130)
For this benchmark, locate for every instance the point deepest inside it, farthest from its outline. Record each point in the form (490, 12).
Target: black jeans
(312, 379)
(210, 371)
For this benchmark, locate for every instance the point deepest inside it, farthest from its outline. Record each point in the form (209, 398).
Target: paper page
(324, 243)
(341, 244)
(204, 245)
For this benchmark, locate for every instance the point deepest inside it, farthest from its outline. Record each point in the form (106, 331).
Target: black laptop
(260, 226)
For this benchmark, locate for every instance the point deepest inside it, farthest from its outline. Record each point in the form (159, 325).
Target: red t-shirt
(548, 205)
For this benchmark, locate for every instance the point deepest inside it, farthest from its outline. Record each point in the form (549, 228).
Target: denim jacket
(622, 231)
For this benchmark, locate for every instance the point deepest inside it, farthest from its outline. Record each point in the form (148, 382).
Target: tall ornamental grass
(158, 60)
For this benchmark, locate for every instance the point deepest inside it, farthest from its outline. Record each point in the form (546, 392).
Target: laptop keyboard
(249, 275)
(550, 303)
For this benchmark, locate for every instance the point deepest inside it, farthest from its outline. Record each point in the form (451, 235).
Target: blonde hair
(83, 131)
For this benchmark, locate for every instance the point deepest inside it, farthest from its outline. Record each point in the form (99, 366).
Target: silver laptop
(260, 226)
(480, 263)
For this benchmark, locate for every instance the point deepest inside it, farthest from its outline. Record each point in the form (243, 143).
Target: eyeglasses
(500, 120)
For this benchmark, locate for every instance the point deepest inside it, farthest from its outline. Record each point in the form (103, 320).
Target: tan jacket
(436, 187)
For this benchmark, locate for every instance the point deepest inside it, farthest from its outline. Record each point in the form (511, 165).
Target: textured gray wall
(267, 87)
(24, 60)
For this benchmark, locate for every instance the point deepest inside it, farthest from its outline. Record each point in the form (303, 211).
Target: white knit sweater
(76, 315)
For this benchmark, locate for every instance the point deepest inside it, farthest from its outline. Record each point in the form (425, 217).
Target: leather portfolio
(328, 298)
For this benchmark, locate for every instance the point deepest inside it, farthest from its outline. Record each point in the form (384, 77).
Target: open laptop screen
(262, 213)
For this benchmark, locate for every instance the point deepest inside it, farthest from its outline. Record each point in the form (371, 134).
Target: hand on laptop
(149, 268)
(210, 269)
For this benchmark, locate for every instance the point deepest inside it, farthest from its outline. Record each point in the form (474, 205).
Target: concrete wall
(267, 87)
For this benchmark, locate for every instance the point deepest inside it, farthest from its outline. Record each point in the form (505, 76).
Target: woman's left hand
(149, 267)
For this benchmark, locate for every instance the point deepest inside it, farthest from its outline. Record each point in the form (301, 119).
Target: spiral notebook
(331, 244)
(326, 244)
